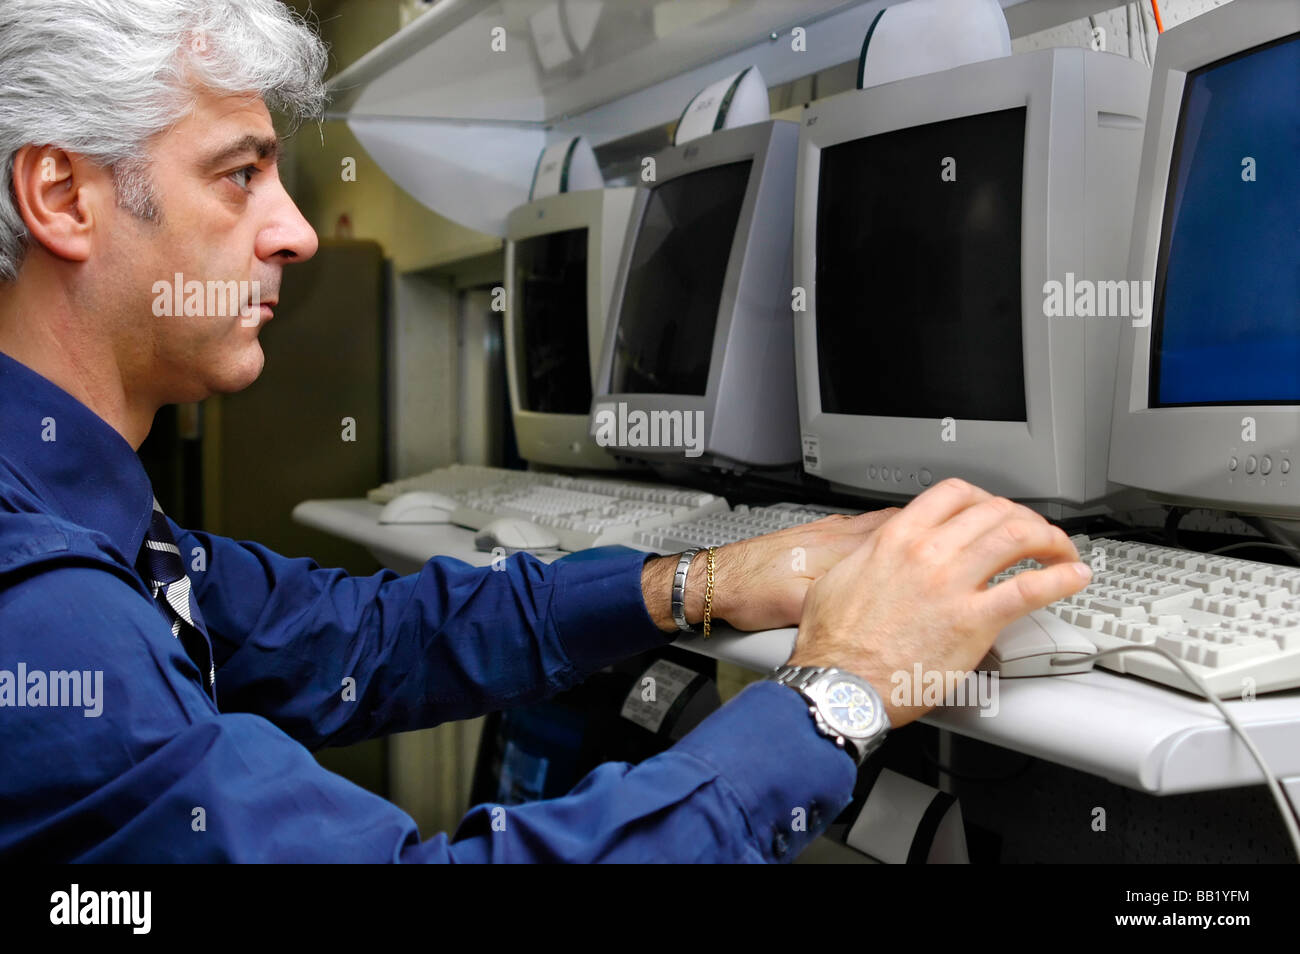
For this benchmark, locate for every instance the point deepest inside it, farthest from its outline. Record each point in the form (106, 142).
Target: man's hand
(760, 583)
(916, 590)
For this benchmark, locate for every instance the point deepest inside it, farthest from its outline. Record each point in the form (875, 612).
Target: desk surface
(1132, 732)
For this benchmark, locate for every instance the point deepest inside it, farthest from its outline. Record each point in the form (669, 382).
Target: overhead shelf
(457, 106)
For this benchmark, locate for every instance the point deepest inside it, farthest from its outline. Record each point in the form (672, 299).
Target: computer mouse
(1028, 646)
(514, 535)
(418, 506)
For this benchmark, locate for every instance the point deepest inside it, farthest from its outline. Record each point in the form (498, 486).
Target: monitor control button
(925, 477)
(1286, 465)
(1250, 464)
(871, 471)
(898, 474)
(1232, 463)
(1266, 465)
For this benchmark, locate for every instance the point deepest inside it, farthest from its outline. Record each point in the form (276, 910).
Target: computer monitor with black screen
(1207, 410)
(933, 212)
(698, 365)
(561, 256)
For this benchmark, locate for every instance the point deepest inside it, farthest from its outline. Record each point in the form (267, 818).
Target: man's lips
(264, 307)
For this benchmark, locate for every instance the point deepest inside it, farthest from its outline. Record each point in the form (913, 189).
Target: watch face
(850, 710)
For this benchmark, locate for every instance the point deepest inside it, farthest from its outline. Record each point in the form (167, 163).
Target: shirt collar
(78, 467)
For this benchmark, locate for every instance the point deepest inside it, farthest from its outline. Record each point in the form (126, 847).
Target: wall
(1118, 23)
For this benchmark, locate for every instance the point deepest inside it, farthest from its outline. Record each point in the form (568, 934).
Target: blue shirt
(111, 748)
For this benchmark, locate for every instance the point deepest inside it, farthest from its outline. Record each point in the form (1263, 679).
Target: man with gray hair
(136, 143)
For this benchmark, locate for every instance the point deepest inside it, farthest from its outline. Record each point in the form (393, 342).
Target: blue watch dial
(852, 709)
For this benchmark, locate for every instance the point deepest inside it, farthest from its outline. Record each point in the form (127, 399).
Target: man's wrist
(657, 587)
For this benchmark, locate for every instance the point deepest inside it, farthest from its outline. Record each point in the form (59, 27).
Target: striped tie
(161, 567)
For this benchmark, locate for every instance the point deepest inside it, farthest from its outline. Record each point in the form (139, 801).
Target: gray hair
(102, 77)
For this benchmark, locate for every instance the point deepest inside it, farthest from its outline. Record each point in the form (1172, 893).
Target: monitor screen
(674, 284)
(1226, 328)
(918, 271)
(551, 281)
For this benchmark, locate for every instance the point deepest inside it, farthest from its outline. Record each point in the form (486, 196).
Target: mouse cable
(1284, 806)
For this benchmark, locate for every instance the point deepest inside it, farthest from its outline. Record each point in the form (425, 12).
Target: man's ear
(59, 195)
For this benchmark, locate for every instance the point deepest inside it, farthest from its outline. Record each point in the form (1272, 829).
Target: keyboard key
(1207, 582)
(1235, 607)
(1170, 599)
(1245, 573)
(1221, 655)
(1287, 638)
(1180, 646)
(1112, 607)
(1089, 620)
(1145, 634)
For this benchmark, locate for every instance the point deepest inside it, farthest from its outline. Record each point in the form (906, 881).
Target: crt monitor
(934, 214)
(561, 255)
(1207, 410)
(698, 364)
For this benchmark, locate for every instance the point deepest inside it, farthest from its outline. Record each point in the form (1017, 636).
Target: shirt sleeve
(145, 768)
(755, 782)
(333, 659)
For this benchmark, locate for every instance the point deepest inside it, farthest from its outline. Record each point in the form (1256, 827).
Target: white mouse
(514, 535)
(1028, 646)
(418, 506)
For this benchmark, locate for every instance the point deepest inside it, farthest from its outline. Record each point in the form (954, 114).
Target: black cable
(1292, 551)
(1131, 532)
(1172, 520)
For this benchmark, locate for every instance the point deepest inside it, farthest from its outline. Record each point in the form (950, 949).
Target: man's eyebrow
(261, 146)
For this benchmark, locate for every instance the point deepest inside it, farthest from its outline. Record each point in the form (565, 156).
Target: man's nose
(289, 237)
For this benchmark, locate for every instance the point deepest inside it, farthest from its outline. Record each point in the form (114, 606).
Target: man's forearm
(451, 641)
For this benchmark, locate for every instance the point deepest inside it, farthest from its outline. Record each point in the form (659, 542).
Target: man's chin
(239, 375)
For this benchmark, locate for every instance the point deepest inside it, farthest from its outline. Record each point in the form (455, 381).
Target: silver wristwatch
(845, 707)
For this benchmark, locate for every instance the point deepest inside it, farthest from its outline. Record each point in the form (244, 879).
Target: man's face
(224, 217)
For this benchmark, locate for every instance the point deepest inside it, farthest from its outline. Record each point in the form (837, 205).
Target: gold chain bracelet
(708, 595)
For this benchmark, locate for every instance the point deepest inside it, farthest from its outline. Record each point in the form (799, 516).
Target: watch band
(679, 590)
(796, 677)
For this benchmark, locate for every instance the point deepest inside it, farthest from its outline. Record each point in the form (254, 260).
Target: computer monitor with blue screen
(933, 213)
(562, 253)
(1207, 409)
